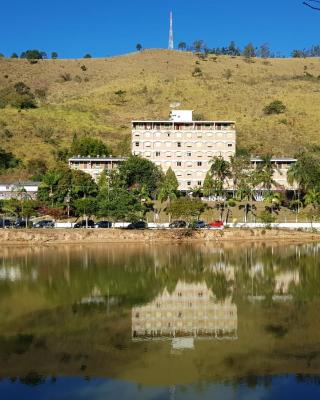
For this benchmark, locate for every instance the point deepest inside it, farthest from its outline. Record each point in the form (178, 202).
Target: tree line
(139, 186)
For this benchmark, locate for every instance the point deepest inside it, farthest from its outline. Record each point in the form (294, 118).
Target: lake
(198, 321)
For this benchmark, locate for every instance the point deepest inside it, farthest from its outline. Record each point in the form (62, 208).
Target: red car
(216, 224)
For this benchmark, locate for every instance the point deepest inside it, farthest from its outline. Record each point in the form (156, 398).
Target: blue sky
(110, 27)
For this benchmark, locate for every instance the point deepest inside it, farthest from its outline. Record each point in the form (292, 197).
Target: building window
(189, 183)
(199, 163)
(179, 144)
(157, 153)
(168, 134)
(199, 183)
(137, 144)
(179, 164)
(189, 154)
(229, 144)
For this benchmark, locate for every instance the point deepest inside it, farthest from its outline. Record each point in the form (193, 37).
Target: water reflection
(126, 312)
(190, 312)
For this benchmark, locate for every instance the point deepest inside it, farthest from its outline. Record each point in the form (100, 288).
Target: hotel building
(185, 145)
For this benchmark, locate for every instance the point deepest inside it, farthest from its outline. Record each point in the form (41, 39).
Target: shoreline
(32, 237)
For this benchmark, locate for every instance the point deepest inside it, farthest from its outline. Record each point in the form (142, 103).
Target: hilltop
(101, 97)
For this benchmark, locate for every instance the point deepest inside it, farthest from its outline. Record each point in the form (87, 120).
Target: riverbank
(36, 237)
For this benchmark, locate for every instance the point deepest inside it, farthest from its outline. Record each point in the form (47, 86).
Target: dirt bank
(35, 237)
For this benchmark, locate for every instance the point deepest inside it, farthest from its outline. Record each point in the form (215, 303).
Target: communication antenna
(171, 45)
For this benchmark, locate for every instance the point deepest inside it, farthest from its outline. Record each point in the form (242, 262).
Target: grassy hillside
(80, 97)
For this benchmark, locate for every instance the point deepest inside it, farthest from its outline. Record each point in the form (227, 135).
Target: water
(160, 322)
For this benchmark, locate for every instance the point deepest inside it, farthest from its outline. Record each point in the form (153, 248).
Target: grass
(149, 81)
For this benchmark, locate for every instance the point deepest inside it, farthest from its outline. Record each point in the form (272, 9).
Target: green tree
(54, 55)
(88, 146)
(220, 170)
(14, 55)
(249, 52)
(139, 46)
(86, 206)
(198, 46)
(208, 185)
(263, 175)
(137, 172)
(37, 168)
(312, 198)
(168, 190)
(7, 160)
(121, 205)
(186, 208)
(182, 46)
(33, 55)
(87, 55)
(264, 51)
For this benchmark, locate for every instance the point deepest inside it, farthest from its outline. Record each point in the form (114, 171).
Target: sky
(111, 27)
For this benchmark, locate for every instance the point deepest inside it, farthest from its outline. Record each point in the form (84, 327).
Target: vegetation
(275, 107)
(87, 146)
(93, 109)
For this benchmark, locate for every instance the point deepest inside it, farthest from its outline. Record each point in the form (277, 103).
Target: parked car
(21, 223)
(178, 224)
(137, 225)
(198, 225)
(44, 224)
(6, 223)
(84, 224)
(216, 224)
(103, 224)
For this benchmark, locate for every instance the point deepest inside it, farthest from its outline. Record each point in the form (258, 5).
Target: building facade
(94, 166)
(185, 145)
(280, 166)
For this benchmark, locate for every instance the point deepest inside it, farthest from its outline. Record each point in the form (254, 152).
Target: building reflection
(190, 312)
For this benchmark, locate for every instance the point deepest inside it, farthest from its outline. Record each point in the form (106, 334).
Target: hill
(102, 96)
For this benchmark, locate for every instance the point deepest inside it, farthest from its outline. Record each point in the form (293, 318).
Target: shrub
(197, 72)
(66, 77)
(275, 107)
(83, 67)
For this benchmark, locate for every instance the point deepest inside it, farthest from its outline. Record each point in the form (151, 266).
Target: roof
(275, 159)
(98, 159)
(20, 183)
(183, 122)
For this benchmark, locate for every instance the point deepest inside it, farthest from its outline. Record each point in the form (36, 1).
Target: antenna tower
(171, 46)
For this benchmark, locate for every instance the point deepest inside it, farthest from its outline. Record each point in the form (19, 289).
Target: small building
(19, 190)
(281, 166)
(94, 166)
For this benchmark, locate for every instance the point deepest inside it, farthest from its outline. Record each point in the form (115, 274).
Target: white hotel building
(185, 145)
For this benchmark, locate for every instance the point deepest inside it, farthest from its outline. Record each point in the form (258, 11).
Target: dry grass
(152, 80)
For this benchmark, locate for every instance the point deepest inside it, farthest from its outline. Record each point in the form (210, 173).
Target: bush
(66, 77)
(275, 107)
(19, 96)
(197, 72)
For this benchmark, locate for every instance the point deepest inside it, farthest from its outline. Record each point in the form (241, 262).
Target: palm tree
(265, 171)
(220, 170)
(238, 170)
